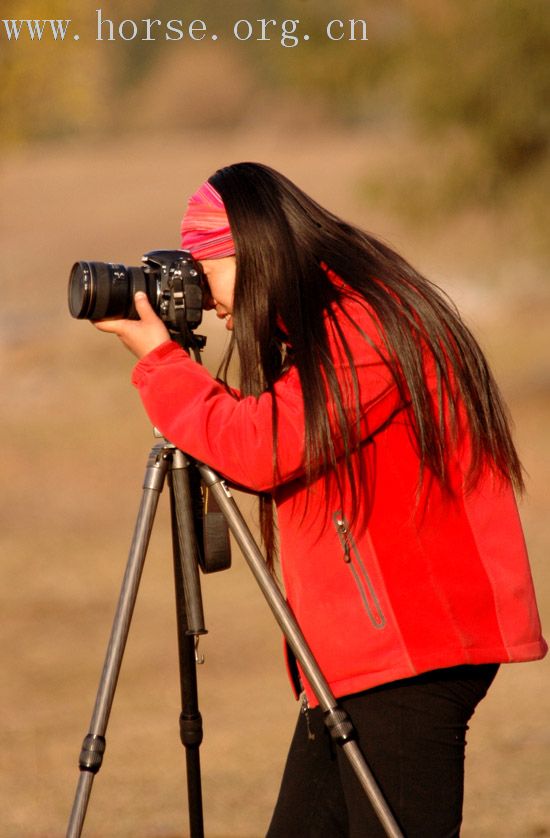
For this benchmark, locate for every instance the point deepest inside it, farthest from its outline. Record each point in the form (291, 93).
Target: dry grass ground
(74, 447)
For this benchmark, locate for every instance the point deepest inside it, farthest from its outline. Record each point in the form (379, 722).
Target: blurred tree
(49, 88)
(470, 69)
(484, 67)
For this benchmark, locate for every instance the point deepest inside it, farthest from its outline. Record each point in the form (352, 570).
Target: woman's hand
(140, 336)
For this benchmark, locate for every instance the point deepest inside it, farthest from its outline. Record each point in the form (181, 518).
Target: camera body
(174, 282)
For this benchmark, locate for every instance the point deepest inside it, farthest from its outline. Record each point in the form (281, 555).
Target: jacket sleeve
(233, 434)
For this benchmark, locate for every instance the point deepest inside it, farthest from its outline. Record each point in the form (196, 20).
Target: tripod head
(189, 341)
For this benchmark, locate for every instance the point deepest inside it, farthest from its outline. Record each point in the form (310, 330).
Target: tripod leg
(190, 622)
(336, 719)
(93, 746)
(184, 525)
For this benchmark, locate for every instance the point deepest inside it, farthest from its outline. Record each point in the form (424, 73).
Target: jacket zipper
(305, 710)
(354, 561)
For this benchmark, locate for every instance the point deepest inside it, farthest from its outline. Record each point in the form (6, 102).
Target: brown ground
(75, 443)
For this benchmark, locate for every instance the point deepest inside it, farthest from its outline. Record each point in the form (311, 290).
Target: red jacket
(412, 583)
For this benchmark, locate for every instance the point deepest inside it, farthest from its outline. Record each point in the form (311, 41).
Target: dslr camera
(174, 282)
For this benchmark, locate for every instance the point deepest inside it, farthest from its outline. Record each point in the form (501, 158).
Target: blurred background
(434, 135)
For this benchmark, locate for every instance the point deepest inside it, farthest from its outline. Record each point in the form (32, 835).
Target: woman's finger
(115, 327)
(143, 307)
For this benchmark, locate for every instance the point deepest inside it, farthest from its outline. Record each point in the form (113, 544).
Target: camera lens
(100, 289)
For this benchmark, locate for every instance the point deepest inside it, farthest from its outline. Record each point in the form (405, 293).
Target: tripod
(166, 458)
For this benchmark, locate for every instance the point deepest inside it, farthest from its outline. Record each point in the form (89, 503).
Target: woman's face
(220, 274)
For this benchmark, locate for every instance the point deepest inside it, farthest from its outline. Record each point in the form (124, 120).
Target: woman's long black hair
(283, 242)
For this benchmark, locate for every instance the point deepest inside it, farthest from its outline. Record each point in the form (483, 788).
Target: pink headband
(205, 230)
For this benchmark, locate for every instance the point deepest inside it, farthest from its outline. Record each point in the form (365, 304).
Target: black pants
(412, 734)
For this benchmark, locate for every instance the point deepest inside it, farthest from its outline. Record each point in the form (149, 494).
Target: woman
(367, 415)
